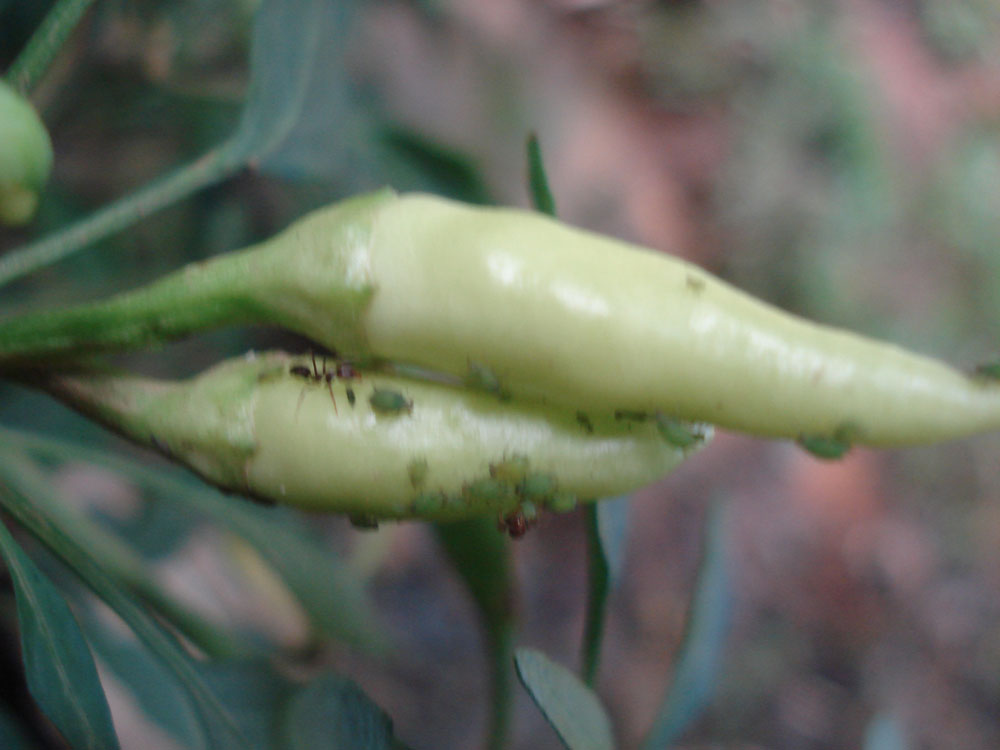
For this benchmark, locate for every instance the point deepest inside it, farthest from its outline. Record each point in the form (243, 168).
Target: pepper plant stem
(45, 43)
(208, 169)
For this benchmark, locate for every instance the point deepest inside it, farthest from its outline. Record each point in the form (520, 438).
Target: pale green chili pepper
(562, 316)
(25, 157)
(247, 426)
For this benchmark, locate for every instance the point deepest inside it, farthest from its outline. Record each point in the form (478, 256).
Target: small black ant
(342, 370)
(316, 376)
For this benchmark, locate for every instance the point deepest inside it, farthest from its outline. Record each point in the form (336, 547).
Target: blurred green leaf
(154, 687)
(12, 735)
(336, 601)
(538, 182)
(332, 713)
(598, 586)
(18, 487)
(297, 83)
(255, 695)
(569, 706)
(700, 659)
(445, 170)
(57, 662)
(120, 562)
(612, 528)
(884, 732)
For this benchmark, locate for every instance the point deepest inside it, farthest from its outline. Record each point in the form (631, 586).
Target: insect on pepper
(462, 454)
(420, 280)
(390, 402)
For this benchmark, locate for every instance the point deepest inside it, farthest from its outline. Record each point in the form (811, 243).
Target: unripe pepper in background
(25, 157)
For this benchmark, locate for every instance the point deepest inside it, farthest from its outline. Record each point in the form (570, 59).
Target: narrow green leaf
(598, 585)
(332, 713)
(15, 489)
(336, 602)
(481, 555)
(285, 84)
(445, 170)
(538, 182)
(57, 662)
(154, 688)
(288, 38)
(255, 695)
(607, 524)
(120, 561)
(45, 43)
(569, 706)
(612, 528)
(704, 642)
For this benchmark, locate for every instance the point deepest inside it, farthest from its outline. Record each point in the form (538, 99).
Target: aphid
(515, 524)
(693, 283)
(350, 395)
(390, 402)
(584, 421)
(538, 487)
(830, 447)
(427, 503)
(632, 416)
(364, 522)
(989, 370)
(562, 502)
(677, 433)
(511, 470)
(482, 378)
(417, 471)
(489, 490)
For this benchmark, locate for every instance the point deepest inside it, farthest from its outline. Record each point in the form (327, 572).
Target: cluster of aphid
(532, 490)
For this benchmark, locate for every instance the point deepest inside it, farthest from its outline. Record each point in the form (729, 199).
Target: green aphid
(490, 491)
(390, 402)
(364, 521)
(427, 503)
(632, 416)
(480, 377)
(677, 433)
(511, 470)
(830, 447)
(989, 370)
(538, 487)
(584, 421)
(562, 502)
(417, 471)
